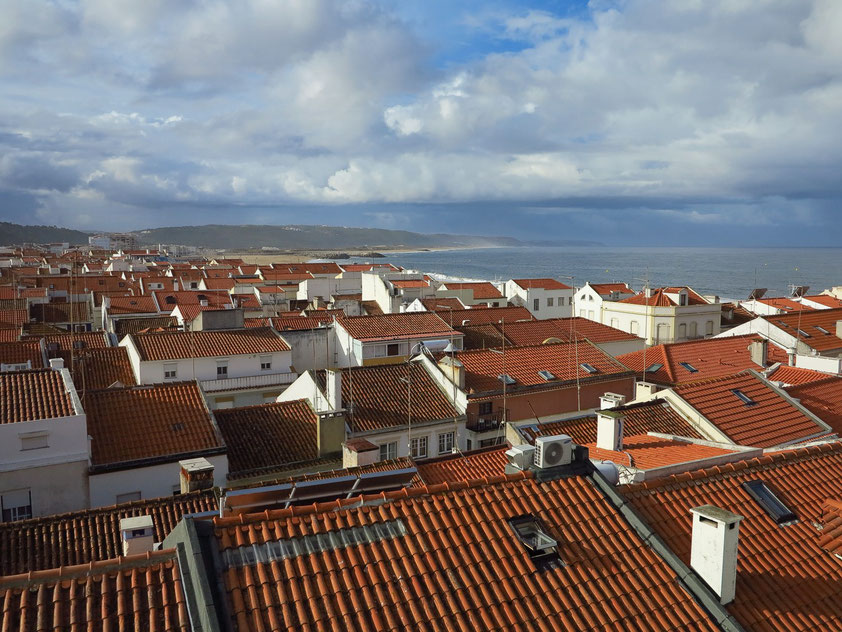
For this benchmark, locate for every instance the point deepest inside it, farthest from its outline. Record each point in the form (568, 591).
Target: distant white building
(544, 298)
(588, 300)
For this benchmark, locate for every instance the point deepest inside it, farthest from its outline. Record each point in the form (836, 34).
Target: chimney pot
(611, 400)
(713, 555)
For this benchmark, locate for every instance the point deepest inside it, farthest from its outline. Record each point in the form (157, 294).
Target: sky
(650, 122)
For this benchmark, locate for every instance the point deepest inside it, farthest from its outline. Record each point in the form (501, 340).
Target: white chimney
(758, 350)
(609, 430)
(56, 363)
(611, 400)
(713, 555)
(333, 389)
(644, 391)
(203, 302)
(137, 535)
(839, 328)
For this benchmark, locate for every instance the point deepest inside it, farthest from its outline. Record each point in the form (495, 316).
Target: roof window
(590, 368)
(540, 546)
(745, 399)
(803, 333)
(770, 503)
(506, 379)
(689, 367)
(546, 375)
(654, 368)
(823, 330)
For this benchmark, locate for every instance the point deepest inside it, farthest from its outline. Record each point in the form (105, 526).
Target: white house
(664, 315)
(588, 300)
(394, 292)
(43, 444)
(544, 298)
(236, 367)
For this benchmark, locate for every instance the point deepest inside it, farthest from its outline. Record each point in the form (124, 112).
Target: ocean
(730, 273)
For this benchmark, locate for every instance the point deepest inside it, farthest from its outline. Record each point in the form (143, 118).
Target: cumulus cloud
(703, 112)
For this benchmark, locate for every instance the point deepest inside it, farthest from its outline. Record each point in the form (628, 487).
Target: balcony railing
(250, 381)
(483, 422)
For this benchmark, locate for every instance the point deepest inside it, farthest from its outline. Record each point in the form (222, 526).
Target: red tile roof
(84, 340)
(409, 283)
(822, 299)
(442, 304)
(823, 398)
(371, 308)
(482, 367)
(395, 326)
(267, 437)
(220, 284)
(145, 590)
(149, 422)
(604, 289)
(535, 332)
(659, 298)
(645, 452)
(377, 397)
(544, 284)
(785, 581)
(711, 357)
(124, 326)
(792, 375)
(33, 395)
(100, 368)
(88, 535)
(313, 320)
(785, 304)
(9, 334)
(652, 416)
(773, 420)
(476, 465)
(21, 352)
(809, 322)
(208, 344)
(482, 316)
(168, 300)
(132, 305)
(365, 267)
(457, 565)
(14, 317)
(485, 336)
(482, 290)
(77, 312)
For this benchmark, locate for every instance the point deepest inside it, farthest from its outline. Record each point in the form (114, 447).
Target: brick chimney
(713, 554)
(195, 474)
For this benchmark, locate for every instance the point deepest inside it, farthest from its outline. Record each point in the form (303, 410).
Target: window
(484, 443)
(569, 300)
(393, 349)
(771, 504)
(128, 497)
(590, 368)
(745, 399)
(682, 330)
(445, 442)
(689, 367)
(539, 545)
(536, 305)
(265, 363)
(590, 314)
(654, 368)
(33, 440)
(506, 379)
(16, 505)
(548, 376)
(550, 302)
(709, 328)
(418, 448)
(682, 299)
(694, 330)
(823, 330)
(615, 323)
(485, 408)
(389, 451)
(634, 327)
(170, 371)
(222, 369)
(803, 333)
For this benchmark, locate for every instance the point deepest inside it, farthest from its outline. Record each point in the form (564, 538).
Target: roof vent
(553, 451)
(137, 534)
(541, 547)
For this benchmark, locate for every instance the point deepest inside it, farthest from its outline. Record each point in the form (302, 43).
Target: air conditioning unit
(521, 456)
(553, 451)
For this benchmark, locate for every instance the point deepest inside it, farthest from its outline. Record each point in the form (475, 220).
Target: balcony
(486, 421)
(249, 382)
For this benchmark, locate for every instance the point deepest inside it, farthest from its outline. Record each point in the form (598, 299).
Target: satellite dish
(757, 293)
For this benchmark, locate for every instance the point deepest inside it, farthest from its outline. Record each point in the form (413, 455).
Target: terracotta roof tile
(456, 564)
(604, 289)
(21, 352)
(479, 464)
(785, 304)
(443, 304)
(823, 398)
(144, 589)
(409, 283)
(100, 368)
(168, 300)
(208, 344)
(33, 395)
(88, 535)
(9, 334)
(77, 312)
(125, 326)
(132, 305)
(785, 581)
(646, 452)
(14, 317)
(82, 340)
(371, 308)
(395, 326)
(544, 284)
(377, 396)
(792, 375)
(148, 422)
(535, 332)
(711, 357)
(313, 320)
(772, 420)
(809, 322)
(822, 299)
(563, 361)
(482, 290)
(476, 316)
(641, 418)
(268, 436)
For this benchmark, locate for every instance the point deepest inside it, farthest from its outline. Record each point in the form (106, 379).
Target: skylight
(823, 330)
(652, 368)
(748, 401)
(689, 367)
(590, 368)
(506, 379)
(770, 503)
(546, 375)
(541, 547)
(801, 332)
